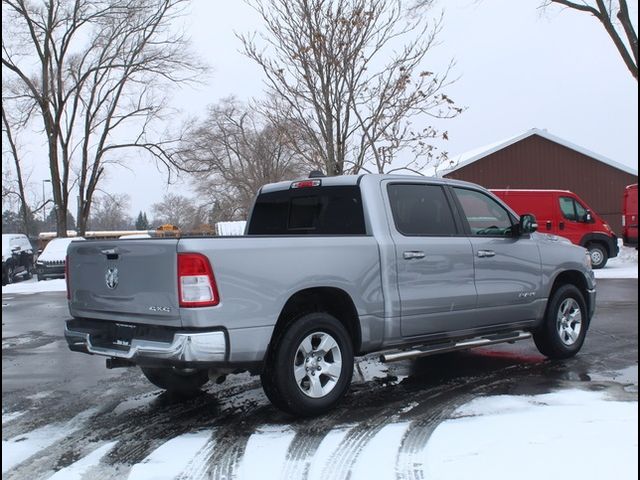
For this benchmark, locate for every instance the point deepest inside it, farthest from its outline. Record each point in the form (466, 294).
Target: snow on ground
(625, 265)
(79, 469)
(34, 286)
(566, 434)
(19, 448)
(171, 458)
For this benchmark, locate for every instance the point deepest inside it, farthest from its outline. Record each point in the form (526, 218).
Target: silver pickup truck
(329, 268)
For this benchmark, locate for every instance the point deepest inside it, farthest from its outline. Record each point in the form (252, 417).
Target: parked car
(563, 213)
(131, 236)
(630, 216)
(51, 262)
(329, 268)
(17, 257)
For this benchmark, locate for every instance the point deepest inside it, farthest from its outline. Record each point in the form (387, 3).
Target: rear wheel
(310, 367)
(565, 324)
(183, 381)
(599, 255)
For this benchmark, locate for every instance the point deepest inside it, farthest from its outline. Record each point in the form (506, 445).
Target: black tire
(278, 379)
(599, 255)
(183, 382)
(548, 338)
(11, 273)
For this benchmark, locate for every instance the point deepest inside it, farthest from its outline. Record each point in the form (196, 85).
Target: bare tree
(177, 210)
(616, 20)
(102, 68)
(110, 212)
(233, 152)
(350, 75)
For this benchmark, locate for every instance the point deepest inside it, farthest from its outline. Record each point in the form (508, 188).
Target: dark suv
(17, 257)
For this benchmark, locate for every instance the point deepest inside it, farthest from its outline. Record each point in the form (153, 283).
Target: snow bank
(230, 228)
(567, 434)
(33, 286)
(625, 265)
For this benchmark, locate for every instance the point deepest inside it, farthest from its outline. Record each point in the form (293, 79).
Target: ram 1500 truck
(329, 268)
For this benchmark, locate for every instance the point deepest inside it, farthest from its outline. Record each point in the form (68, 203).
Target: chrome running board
(452, 346)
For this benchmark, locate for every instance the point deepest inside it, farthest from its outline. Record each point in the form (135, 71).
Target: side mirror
(527, 224)
(588, 218)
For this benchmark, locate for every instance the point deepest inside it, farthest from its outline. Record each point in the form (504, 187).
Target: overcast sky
(519, 68)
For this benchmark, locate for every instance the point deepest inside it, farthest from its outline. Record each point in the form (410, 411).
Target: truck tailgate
(125, 280)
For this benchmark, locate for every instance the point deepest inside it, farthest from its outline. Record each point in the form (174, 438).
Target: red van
(563, 213)
(630, 216)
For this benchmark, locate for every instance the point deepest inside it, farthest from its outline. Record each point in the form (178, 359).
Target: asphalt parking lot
(50, 392)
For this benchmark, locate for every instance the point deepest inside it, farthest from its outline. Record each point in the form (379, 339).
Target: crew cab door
(508, 272)
(433, 256)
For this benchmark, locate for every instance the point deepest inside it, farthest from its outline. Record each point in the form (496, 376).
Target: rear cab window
(317, 210)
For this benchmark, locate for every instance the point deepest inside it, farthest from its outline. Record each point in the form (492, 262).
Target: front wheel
(11, 273)
(310, 367)
(599, 255)
(182, 381)
(565, 324)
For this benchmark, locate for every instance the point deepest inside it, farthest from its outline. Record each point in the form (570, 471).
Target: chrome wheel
(317, 364)
(569, 321)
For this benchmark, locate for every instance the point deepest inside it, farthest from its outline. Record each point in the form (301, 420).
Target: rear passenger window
(421, 210)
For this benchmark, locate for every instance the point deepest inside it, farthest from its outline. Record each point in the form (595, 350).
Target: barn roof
(471, 156)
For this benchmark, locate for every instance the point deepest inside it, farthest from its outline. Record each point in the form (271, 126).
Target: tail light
(66, 276)
(196, 283)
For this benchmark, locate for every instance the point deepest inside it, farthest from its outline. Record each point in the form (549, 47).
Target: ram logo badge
(111, 278)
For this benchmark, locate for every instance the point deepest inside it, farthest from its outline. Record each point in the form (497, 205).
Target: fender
(610, 241)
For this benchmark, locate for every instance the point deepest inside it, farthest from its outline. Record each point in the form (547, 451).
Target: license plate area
(118, 336)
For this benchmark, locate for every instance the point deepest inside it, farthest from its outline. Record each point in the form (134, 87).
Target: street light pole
(44, 202)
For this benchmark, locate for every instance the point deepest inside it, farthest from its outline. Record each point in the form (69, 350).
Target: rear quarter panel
(256, 275)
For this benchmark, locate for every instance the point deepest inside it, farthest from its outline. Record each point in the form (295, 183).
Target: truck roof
(341, 180)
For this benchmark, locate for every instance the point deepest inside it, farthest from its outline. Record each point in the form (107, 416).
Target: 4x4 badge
(111, 278)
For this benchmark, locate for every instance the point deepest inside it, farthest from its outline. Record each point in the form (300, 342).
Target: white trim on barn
(472, 156)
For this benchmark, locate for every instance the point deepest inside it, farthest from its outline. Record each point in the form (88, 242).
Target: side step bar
(453, 346)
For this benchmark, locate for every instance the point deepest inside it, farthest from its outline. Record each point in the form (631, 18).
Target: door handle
(486, 253)
(561, 225)
(411, 254)
(548, 224)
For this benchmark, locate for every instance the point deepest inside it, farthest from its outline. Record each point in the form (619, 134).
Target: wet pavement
(59, 406)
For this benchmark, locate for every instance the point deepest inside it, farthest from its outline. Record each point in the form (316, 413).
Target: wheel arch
(331, 300)
(600, 238)
(572, 277)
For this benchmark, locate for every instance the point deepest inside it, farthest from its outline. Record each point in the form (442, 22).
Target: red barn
(536, 159)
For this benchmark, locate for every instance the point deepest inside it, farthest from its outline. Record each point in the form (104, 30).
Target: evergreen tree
(141, 222)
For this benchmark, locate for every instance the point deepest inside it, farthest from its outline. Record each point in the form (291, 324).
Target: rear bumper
(184, 349)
